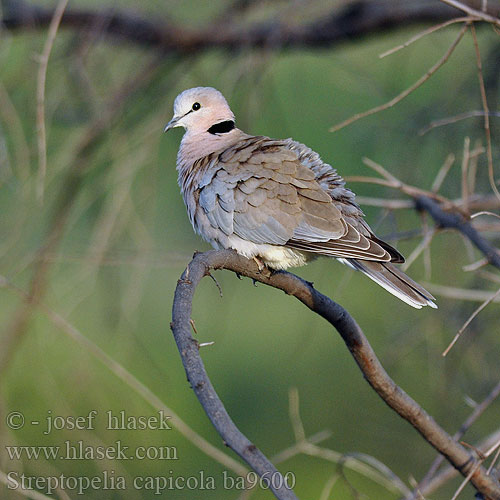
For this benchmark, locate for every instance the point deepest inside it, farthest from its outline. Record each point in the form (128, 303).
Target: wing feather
(280, 193)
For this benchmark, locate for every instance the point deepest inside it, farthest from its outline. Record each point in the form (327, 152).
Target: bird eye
(196, 106)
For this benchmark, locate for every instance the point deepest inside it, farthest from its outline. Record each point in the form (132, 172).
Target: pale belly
(273, 256)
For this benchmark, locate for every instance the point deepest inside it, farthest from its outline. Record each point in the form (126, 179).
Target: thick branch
(454, 220)
(356, 19)
(353, 337)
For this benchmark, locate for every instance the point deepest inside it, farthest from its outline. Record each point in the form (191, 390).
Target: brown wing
(264, 192)
(359, 242)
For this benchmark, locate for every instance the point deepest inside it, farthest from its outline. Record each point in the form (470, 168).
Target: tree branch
(355, 19)
(454, 220)
(354, 339)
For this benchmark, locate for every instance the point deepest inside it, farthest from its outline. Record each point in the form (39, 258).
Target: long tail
(394, 281)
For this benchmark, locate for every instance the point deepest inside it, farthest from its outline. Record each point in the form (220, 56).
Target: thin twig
(412, 191)
(492, 449)
(474, 160)
(40, 97)
(293, 403)
(484, 212)
(427, 249)
(495, 458)
(453, 119)
(455, 293)
(471, 317)
(381, 170)
(327, 489)
(465, 166)
(473, 12)
(421, 247)
(487, 275)
(489, 149)
(476, 265)
(426, 32)
(481, 460)
(406, 92)
(466, 480)
(296, 448)
(443, 172)
(390, 204)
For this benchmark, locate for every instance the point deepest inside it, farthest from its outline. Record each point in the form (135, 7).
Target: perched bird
(274, 200)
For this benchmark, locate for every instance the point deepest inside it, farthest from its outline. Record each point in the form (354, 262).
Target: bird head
(199, 109)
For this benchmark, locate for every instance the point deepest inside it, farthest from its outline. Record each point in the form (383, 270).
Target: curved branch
(355, 19)
(188, 347)
(354, 339)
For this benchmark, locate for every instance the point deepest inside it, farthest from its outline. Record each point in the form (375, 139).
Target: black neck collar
(222, 127)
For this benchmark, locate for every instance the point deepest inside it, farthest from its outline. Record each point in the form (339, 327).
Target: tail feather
(394, 281)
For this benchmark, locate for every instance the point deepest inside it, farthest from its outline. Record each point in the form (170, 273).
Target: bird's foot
(259, 262)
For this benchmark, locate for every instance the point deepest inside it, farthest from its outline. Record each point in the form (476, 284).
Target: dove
(274, 201)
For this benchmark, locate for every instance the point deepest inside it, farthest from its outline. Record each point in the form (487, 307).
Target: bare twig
(390, 181)
(383, 203)
(487, 275)
(476, 265)
(453, 119)
(465, 166)
(484, 100)
(473, 12)
(493, 462)
(352, 335)
(471, 317)
(460, 293)
(40, 97)
(474, 159)
(293, 403)
(443, 172)
(409, 90)
(421, 247)
(426, 32)
(484, 212)
(327, 489)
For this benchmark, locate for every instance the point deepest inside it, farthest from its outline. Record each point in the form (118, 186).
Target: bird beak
(174, 122)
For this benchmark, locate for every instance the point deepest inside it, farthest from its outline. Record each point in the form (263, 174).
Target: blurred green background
(126, 239)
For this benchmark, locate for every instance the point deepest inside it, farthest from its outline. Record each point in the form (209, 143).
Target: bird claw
(259, 262)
